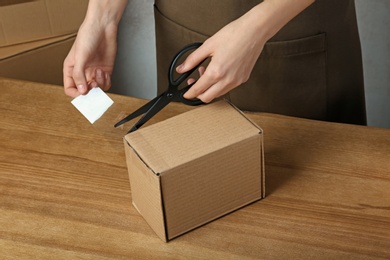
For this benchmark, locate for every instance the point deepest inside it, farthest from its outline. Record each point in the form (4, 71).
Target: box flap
(39, 64)
(13, 50)
(161, 152)
(146, 192)
(26, 21)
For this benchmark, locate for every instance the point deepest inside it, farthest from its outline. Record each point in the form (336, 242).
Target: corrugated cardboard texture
(24, 21)
(209, 162)
(191, 135)
(212, 186)
(39, 61)
(146, 193)
(14, 50)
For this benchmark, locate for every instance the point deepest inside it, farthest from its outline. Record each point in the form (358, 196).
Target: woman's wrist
(270, 16)
(105, 12)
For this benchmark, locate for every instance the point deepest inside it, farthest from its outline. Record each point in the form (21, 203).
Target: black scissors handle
(175, 83)
(172, 68)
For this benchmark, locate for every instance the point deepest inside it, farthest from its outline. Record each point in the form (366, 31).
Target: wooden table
(65, 193)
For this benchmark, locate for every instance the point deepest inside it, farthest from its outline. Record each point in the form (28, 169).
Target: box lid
(160, 152)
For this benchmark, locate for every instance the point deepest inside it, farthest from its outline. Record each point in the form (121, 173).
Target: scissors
(174, 93)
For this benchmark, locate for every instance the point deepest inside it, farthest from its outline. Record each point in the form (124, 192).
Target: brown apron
(312, 68)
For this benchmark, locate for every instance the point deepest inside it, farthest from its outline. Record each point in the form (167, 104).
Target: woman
(300, 58)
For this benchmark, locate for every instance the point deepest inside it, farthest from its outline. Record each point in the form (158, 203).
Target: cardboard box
(36, 36)
(193, 168)
(39, 61)
(24, 21)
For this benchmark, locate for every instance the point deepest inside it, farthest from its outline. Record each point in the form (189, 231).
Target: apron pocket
(289, 78)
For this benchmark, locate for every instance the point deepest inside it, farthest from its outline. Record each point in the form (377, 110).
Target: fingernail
(99, 73)
(180, 67)
(81, 88)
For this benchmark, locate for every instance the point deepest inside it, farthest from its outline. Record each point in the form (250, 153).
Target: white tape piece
(93, 105)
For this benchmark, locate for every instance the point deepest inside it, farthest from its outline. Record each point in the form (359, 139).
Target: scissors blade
(160, 103)
(138, 112)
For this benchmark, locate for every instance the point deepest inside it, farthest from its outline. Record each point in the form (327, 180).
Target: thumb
(80, 79)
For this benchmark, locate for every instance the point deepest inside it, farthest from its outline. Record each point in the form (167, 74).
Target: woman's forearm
(105, 11)
(271, 15)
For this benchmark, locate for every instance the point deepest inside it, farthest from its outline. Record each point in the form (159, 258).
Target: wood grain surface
(65, 193)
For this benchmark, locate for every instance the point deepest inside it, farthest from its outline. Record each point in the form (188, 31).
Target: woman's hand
(233, 53)
(90, 61)
(235, 49)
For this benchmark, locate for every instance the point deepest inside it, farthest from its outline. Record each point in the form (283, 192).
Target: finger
(69, 85)
(92, 84)
(190, 81)
(100, 78)
(103, 79)
(213, 92)
(71, 91)
(108, 81)
(201, 70)
(80, 82)
(79, 78)
(211, 75)
(193, 59)
(200, 86)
